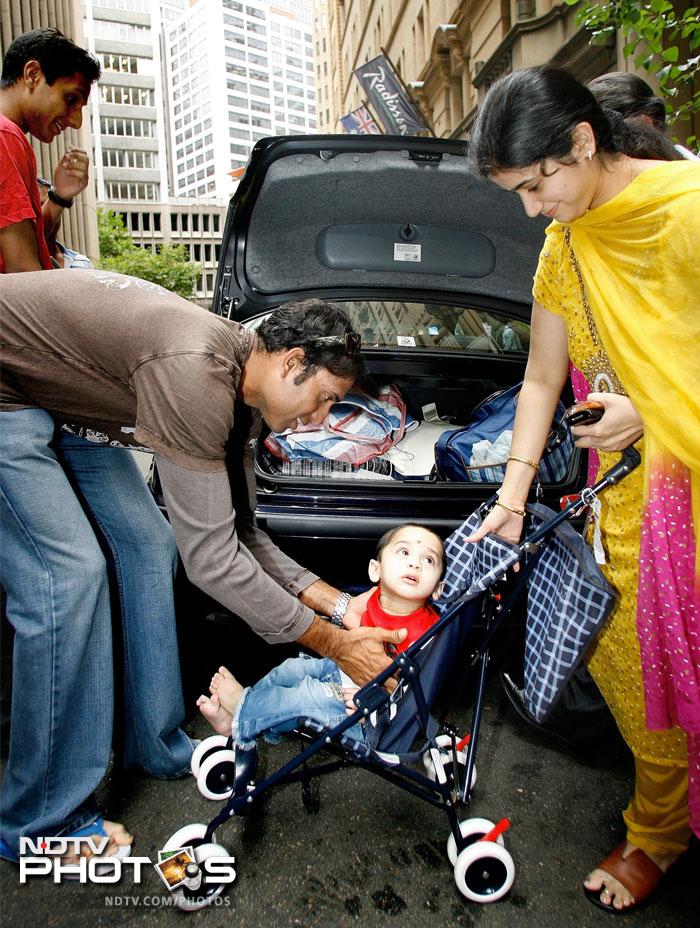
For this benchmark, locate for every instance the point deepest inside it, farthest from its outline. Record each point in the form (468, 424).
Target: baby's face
(411, 564)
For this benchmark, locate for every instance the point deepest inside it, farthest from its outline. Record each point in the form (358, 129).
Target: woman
(616, 293)
(631, 96)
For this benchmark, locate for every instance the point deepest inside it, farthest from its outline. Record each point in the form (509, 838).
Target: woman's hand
(501, 522)
(620, 426)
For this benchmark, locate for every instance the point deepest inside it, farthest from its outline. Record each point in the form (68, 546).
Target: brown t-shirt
(146, 367)
(122, 356)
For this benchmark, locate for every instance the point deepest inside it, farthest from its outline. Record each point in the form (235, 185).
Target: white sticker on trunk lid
(403, 252)
(406, 341)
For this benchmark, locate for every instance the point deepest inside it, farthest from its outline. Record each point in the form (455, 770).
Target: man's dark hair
(530, 115)
(57, 55)
(388, 536)
(298, 324)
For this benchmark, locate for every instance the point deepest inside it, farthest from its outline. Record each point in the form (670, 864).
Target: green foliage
(169, 266)
(651, 32)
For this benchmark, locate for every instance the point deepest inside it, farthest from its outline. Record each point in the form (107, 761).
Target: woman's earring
(590, 155)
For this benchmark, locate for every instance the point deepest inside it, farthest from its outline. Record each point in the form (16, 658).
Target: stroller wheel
(217, 775)
(190, 899)
(472, 829)
(444, 741)
(484, 872)
(204, 749)
(185, 836)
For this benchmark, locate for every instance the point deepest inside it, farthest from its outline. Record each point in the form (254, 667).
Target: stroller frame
(483, 868)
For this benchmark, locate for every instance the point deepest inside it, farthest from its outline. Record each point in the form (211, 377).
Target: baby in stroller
(409, 566)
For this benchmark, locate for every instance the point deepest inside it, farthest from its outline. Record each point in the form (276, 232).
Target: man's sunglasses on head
(351, 341)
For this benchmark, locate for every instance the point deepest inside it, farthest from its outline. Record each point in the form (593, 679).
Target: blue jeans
(54, 574)
(143, 553)
(55, 577)
(301, 687)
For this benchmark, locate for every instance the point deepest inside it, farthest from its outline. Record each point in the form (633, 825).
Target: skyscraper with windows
(128, 116)
(188, 87)
(236, 72)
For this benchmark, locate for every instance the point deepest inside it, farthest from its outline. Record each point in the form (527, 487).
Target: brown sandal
(638, 874)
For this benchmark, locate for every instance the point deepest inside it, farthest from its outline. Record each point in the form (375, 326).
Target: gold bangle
(524, 461)
(518, 512)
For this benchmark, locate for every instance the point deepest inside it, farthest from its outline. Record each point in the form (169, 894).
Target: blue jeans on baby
(301, 687)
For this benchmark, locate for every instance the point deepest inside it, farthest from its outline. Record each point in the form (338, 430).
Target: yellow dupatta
(639, 256)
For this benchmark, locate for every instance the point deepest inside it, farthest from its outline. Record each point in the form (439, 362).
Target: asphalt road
(374, 856)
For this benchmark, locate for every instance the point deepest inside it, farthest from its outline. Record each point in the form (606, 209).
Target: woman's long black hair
(530, 115)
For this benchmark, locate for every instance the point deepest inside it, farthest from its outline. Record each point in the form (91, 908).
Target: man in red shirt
(42, 99)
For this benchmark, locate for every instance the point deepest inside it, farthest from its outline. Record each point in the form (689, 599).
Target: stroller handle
(630, 459)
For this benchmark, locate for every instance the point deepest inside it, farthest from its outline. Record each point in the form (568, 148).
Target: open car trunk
(434, 267)
(322, 499)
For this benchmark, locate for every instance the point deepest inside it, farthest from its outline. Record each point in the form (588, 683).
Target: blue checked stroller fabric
(569, 599)
(473, 568)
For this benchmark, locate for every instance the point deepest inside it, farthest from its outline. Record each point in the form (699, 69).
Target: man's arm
(203, 519)
(18, 247)
(359, 652)
(70, 178)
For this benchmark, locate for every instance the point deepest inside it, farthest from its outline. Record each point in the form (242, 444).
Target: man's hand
(72, 173)
(360, 653)
(356, 609)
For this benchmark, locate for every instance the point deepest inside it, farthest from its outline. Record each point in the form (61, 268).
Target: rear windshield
(391, 324)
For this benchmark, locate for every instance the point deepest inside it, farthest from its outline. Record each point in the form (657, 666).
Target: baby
(409, 567)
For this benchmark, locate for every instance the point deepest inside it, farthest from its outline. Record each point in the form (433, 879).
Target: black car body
(434, 267)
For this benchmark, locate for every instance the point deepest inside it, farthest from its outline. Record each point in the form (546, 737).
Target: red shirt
(417, 623)
(19, 192)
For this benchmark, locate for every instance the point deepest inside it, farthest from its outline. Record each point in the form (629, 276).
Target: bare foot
(118, 837)
(227, 688)
(613, 892)
(212, 710)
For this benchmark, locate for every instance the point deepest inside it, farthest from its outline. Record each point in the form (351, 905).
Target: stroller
(405, 743)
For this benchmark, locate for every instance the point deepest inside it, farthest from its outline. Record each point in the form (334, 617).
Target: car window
(393, 323)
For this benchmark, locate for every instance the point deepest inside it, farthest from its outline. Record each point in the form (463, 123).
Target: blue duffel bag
(493, 416)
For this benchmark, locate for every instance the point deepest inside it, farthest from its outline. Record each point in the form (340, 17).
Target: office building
(236, 72)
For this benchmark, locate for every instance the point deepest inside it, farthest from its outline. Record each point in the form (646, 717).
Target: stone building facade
(448, 53)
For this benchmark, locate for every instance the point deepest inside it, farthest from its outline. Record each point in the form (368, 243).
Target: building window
(121, 190)
(139, 128)
(127, 64)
